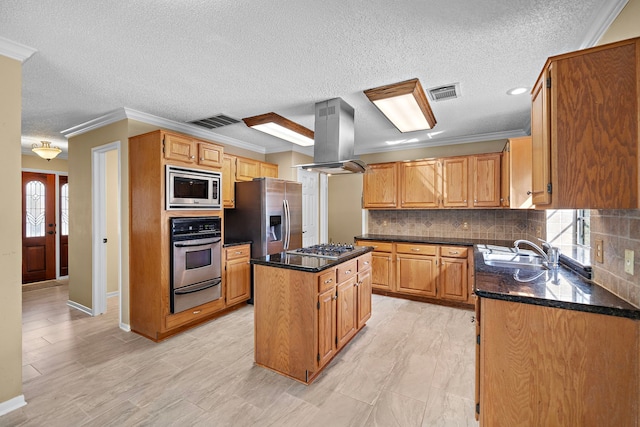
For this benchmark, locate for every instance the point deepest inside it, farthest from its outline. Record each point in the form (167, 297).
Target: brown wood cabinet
(517, 173)
(453, 275)
(417, 267)
(247, 169)
(430, 273)
(455, 184)
(149, 268)
(268, 170)
(380, 186)
(303, 319)
(237, 274)
(585, 129)
(485, 180)
(434, 183)
(186, 149)
(546, 366)
(228, 181)
(420, 184)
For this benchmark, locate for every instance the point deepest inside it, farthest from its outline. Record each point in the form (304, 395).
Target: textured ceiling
(189, 59)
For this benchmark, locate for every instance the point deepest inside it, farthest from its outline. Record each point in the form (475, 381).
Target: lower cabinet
(237, 274)
(547, 366)
(435, 272)
(303, 319)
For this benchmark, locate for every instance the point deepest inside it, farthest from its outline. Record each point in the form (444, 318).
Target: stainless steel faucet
(551, 256)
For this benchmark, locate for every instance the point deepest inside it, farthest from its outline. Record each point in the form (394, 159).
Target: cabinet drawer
(195, 313)
(453, 251)
(364, 262)
(238, 252)
(326, 280)
(407, 248)
(347, 270)
(377, 246)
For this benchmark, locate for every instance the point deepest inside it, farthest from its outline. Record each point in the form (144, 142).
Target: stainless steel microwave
(192, 188)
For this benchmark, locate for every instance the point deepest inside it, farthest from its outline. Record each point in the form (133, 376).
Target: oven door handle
(197, 287)
(192, 245)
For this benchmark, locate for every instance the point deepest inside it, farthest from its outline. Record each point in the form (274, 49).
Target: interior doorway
(310, 206)
(106, 220)
(45, 226)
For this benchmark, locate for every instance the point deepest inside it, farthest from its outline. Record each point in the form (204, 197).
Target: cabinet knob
(335, 297)
(415, 249)
(474, 200)
(454, 253)
(202, 159)
(347, 272)
(502, 199)
(193, 157)
(529, 193)
(465, 200)
(328, 281)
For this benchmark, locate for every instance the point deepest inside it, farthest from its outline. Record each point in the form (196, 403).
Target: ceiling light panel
(280, 127)
(404, 104)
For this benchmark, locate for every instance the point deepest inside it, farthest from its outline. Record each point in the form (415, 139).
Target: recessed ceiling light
(517, 91)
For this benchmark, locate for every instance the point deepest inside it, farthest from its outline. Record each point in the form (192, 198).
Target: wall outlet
(539, 231)
(465, 225)
(599, 251)
(628, 261)
(384, 223)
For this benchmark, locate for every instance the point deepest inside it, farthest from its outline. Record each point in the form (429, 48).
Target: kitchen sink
(512, 259)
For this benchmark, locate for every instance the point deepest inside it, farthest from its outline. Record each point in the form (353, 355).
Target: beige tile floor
(412, 365)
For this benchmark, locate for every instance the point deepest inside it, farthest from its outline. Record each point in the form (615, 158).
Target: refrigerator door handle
(287, 219)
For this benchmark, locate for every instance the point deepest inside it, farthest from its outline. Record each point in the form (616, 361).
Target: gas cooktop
(326, 250)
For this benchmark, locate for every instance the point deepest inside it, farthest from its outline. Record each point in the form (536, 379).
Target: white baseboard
(80, 307)
(12, 404)
(125, 327)
(113, 294)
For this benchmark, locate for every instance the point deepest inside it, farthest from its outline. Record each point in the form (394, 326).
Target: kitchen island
(307, 308)
(553, 348)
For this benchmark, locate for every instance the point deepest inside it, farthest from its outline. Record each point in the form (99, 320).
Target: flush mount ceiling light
(45, 150)
(282, 128)
(517, 91)
(404, 104)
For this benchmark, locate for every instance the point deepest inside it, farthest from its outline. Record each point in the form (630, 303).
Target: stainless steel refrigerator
(269, 213)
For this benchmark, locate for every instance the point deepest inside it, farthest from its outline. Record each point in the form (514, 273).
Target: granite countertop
(463, 241)
(311, 264)
(561, 288)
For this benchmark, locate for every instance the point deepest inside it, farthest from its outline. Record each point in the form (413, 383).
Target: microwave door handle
(197, 287)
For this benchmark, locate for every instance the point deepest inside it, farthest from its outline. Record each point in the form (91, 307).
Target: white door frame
(99, 227)
(324, 208)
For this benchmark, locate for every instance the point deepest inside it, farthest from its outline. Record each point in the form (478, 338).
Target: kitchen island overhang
(306, 309)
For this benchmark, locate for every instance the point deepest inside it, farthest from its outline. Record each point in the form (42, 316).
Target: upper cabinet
(585, 130)
(485, 180)
(183, 148)
(380, 186)
(228, 181)
(247, 169)
(434, 183)
(518, 173)
(268, 170)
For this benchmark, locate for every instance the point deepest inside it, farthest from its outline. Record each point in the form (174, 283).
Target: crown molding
(161, 122)
(608, 13)
(15, 50)
(481, 137)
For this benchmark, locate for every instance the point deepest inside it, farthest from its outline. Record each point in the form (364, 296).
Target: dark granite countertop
(464, 241)
(307, 263)
(561, 288)
(231, 242)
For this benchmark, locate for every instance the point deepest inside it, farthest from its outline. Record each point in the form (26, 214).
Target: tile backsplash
(490, 224)
(619, 230)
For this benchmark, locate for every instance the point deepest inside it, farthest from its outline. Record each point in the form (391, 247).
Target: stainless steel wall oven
(196, 273)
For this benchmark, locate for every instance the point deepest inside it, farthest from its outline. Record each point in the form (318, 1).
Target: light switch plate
(599, 251)
(628, 261)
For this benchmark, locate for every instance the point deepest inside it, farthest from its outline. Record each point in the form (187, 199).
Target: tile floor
(412, 365)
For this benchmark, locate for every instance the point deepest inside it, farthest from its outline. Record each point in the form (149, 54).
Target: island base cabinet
(545, 366)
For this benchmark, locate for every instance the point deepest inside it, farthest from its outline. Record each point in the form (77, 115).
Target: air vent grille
(442, 93)
(216, 121)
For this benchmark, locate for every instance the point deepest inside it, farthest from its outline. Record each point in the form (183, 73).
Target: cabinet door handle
(347, 272)
(328, 281)
(454, 253)
(238, 253)
(197, 312)
(366, 263)
(335, 297)
(415, 249)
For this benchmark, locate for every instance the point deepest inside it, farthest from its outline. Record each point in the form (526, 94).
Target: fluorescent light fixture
(404, 104)
(45, 150)
(517, 91)
(278, 126)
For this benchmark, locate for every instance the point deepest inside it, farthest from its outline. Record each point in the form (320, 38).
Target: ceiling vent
(442, 93)
(216, 121)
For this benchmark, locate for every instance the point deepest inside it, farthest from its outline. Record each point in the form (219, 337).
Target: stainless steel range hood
(334, 139)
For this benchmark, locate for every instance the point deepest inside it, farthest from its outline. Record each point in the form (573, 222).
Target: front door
(38, 227)
(63, 226)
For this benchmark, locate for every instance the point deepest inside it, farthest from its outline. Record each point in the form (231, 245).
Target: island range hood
(334, 138)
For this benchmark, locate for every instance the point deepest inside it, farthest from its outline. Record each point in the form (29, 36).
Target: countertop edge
(330, 263)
